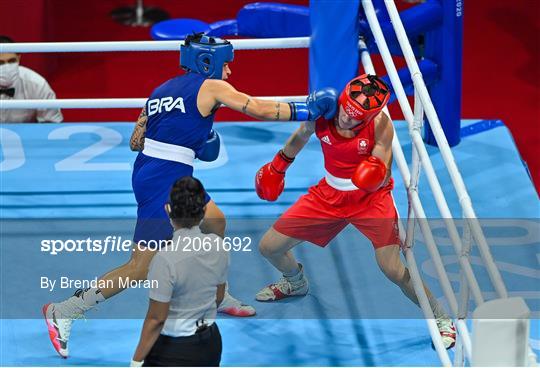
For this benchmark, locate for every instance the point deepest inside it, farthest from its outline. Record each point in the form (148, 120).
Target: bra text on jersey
(168, 103)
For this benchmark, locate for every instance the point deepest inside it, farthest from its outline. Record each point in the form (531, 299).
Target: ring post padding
(501, 333)
(444, 46)
(333, 55)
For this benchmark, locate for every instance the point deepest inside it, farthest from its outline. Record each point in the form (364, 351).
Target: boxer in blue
(173, 129)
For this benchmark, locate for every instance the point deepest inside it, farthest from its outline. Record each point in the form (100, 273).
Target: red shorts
(321, 214)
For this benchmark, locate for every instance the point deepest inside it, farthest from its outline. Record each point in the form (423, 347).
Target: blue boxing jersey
(174, 127)
(173, 116)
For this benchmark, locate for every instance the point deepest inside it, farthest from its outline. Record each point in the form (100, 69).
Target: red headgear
(363, 98)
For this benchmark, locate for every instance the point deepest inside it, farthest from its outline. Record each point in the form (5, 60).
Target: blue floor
(74, 179)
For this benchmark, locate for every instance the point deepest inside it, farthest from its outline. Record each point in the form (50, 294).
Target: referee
(180, 328)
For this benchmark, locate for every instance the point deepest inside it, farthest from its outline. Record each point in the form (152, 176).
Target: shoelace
(67, 327)
(284, 285)
(74, 311)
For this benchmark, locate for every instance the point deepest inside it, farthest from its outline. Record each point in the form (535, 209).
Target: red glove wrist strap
(281, 162)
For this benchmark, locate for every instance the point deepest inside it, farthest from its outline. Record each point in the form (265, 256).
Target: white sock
(296, 275)
(79, 303)
(90, 296)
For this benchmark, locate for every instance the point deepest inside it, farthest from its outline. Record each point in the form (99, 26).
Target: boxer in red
(357, 190)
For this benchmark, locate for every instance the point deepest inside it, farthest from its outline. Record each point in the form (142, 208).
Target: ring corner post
(333, 51)
(444, 45)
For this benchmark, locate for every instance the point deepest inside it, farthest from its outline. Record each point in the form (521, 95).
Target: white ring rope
(104, 103)
(446, 153)
(416, 137)
(418, 212)
(250, 44)
(422, 96)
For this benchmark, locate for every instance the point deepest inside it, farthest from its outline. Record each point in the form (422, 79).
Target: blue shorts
(152, 181)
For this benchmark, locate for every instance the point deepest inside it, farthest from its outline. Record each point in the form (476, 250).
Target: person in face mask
(20, 83)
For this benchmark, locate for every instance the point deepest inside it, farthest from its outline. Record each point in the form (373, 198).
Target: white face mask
(9, 73)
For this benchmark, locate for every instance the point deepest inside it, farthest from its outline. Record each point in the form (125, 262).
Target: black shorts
(200, 350)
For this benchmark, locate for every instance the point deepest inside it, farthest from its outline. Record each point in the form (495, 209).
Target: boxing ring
(450, 251)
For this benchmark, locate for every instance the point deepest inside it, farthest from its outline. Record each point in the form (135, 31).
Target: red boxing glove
(270, 179)
(370, 174)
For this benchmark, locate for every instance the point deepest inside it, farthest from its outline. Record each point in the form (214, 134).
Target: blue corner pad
(178, 29)
(223, 28)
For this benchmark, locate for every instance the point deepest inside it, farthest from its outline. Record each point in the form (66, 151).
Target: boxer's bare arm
(136, 143)
(214, 92)
(384, 133)
(298, 139)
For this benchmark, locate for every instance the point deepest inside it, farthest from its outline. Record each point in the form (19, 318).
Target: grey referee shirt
(187, 276)
(30, 86)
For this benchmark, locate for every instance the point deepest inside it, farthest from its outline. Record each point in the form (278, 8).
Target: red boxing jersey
(342, 155)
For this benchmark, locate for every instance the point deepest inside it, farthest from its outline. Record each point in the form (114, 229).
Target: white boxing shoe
(284, 288)
(448, 332)
(234, 307)
(59, 329)
(59, 317)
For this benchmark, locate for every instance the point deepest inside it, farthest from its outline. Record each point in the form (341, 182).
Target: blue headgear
(206, 56)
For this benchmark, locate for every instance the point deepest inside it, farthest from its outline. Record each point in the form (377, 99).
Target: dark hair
(187, 202)
(6, 39)
(196, 37)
